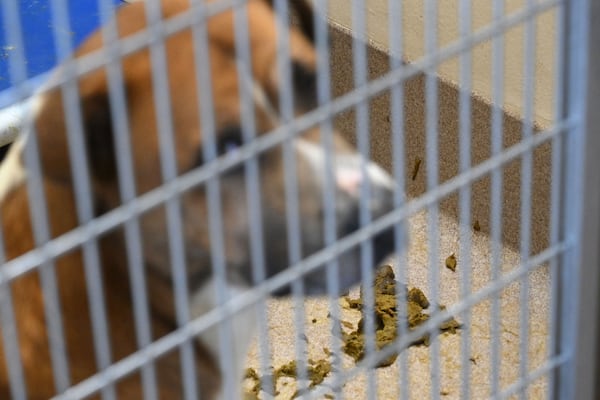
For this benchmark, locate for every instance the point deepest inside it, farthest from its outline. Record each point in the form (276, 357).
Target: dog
(350, 173)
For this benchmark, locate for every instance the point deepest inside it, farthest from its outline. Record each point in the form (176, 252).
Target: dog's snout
(357, 183)
(349, 180)
(351, 174)
(352, 171)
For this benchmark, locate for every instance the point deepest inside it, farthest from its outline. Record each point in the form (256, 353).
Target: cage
(481, 114)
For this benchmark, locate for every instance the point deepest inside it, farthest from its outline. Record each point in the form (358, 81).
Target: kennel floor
(479, 331)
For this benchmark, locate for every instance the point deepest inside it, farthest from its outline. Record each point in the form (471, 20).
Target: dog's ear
(302, 16)
(51, 128)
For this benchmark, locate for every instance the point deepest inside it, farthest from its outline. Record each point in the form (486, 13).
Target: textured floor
(478, 332)
(318, 327)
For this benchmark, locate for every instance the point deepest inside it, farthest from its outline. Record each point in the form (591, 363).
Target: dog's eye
(229, 139)
(305, 85)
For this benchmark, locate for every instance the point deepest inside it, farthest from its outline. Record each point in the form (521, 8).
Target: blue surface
(36, 22)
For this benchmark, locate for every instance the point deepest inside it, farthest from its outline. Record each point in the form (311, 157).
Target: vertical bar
(396, 37)
(10, 336)
(252, 175)
(258, 262)
(574, 92)
(431, 133)
(127, 189)
(38, 209)
(585, 86)
(329, 193)
(359, 59)
(206, 112)
(82, 189)
(555, 200)
(496, 196)
(529, 56)
(162, 105)
(465, 194)
(286, 108)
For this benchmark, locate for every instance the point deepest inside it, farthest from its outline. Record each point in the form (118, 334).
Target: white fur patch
(14, 119)
(348, 172)
(11, 121)
(243, 328)
(12, 170)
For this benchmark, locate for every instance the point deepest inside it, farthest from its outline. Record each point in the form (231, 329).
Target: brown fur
(188, 138)
(26, 291)
(29, 309)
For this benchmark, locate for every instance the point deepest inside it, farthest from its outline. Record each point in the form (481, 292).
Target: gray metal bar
(585, 86)
(329, 193)
(465, 196)
(127, 189)
(496, 195)
(529, 57)
(38, 210)
(209, 148)
(397, 120)
(162, 106)
(573, 91)
(10, 336)
(555, 199)
(256, 233)
(82, 189)
(432, 166)
(360, 74)
(286, 109)
(248, 124)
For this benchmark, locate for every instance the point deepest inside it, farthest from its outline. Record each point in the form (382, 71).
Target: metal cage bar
(82, 185)
(582, 342)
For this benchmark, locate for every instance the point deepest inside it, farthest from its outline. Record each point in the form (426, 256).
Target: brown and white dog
(50, 130)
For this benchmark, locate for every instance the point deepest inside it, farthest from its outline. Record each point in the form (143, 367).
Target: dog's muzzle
(353, 175)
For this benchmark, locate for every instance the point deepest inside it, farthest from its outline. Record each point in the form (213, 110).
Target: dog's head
(233, 206)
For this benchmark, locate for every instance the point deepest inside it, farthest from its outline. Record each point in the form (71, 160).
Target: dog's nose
(352, 171)
(349, 180)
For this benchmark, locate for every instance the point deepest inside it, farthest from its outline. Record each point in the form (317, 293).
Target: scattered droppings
(417, 296)
(317, 371)
(251, 374)
(451, 262)
(386, 317)
(444, 392)
(386, 323)
(416, 167)
(450, 326)
(347, 324)
(476, 226)
(252, 394)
